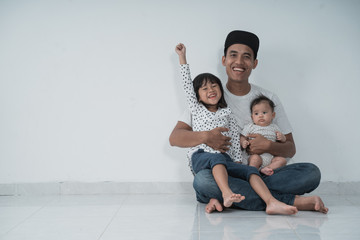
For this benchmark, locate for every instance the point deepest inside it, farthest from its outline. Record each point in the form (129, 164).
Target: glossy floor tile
(166, 216)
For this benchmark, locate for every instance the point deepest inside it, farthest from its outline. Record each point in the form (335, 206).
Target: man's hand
(183, 136)
(258, 144)
(217, 140)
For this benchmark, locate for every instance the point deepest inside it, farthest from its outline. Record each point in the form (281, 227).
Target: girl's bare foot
(267, 171)
(213, 205)
(276, 207)
(312, 203)
(231, 198)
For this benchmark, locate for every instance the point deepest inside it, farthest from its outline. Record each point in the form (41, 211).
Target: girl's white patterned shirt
(205, 120)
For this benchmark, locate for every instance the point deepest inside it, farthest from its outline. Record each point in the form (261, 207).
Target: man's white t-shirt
(240, 106)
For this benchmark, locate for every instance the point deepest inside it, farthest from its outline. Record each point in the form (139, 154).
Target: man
(240, 58)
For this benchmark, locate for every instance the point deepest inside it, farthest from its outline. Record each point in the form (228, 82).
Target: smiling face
(262, 114)
(210, 94)
(239, 62)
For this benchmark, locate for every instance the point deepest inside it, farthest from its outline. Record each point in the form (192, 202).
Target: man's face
(239, 62)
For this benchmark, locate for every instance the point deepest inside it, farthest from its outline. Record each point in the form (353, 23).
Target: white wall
(89, 90)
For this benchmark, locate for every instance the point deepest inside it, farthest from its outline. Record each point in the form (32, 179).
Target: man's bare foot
(267, 171)
(312, 203)
(231, 198)
(213, 205)
(276, 207)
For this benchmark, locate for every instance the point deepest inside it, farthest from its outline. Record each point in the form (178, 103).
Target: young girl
(262, 114)
(209, 110)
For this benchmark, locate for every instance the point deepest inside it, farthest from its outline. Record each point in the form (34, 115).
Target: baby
(262, 114)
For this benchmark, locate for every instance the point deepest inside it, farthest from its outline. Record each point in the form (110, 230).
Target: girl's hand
(180, 49)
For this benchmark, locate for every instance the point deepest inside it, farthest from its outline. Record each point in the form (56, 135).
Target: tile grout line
(113, 217)
(28, 217)
(198, 221)
(292, 228)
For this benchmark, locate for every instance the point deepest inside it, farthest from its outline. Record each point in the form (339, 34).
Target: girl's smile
(210, 94)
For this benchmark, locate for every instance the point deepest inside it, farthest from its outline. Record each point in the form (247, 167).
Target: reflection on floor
(165, 216)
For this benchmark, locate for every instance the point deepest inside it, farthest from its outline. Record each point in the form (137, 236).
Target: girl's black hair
(261, 98)
(204, 78)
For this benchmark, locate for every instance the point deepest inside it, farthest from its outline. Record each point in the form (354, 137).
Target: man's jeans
(284, 184)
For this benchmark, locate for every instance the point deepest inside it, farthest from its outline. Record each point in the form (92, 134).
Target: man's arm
(183, 136)
(260, 145)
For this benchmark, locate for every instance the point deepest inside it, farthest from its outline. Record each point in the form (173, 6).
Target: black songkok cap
(242, 37)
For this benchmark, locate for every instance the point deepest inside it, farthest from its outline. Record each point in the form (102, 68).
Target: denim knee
(296, 178)
(204, 160)
(252, 170)
(314, 175)
(205, 186)
(203, 179)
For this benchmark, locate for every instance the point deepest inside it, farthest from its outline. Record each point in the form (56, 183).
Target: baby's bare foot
(213, 205)
(267, 171)
(231, 198)
(277, 207)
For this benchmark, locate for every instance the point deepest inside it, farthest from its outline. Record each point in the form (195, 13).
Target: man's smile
(237, 69)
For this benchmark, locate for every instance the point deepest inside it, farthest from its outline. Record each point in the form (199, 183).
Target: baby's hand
(245, 144)
(280, 137)
(180, 49)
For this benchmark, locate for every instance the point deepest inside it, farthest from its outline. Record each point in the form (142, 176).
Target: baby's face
(262, 114)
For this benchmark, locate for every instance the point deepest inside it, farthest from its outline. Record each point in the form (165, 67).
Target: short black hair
(260, 99)
(204, 78)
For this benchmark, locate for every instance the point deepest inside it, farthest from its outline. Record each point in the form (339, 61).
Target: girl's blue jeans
(204, 160)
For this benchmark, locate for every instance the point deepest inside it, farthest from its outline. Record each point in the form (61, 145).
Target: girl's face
(262, 114)
(210, 94)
